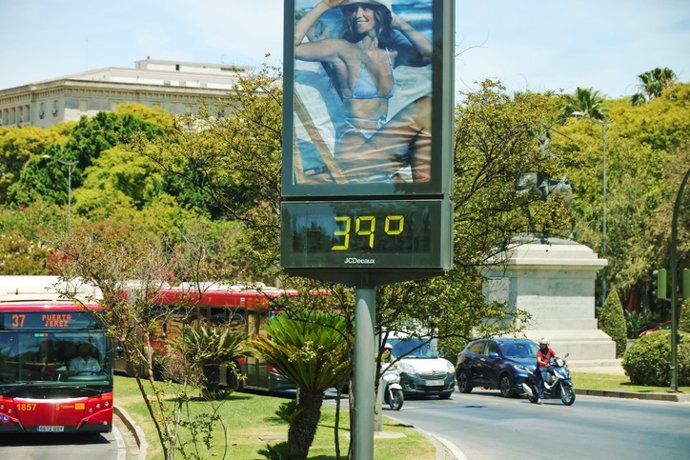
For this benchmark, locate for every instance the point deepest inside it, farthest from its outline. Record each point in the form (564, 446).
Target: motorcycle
(392, 393)
(557, 385)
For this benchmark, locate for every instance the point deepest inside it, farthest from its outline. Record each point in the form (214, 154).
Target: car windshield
(414, 348)
(522, 349)
(53, 358)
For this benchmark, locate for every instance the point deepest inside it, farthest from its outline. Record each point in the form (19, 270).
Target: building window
(55, 108)
(177, 66)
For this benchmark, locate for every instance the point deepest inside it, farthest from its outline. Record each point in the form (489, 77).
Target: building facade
(178, 87)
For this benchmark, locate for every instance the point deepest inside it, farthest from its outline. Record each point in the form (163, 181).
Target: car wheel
(463, 382)
(505, 384)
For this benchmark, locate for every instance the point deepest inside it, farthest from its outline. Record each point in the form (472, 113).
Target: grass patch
(247, 417)
(606, 382)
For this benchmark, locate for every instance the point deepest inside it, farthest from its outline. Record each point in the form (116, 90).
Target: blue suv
(496, 363)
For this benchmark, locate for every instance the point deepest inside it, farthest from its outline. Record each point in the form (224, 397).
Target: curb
(673, 397)
(137, 432)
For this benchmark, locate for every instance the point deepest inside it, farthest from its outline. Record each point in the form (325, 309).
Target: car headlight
(406, 368)
(450, 368)
(520, 368)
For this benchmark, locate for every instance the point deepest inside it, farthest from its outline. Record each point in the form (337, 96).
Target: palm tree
(206, 349)
(586, 102)
(653, 84)
(311, 350)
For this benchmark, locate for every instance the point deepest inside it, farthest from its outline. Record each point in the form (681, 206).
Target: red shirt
(541, 356)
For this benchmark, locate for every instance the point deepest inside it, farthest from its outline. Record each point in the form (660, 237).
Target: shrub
(636, 322)
(648, 361)
(684, 324)
(612, 321)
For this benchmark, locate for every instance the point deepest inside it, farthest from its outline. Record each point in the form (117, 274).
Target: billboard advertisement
(368, 96)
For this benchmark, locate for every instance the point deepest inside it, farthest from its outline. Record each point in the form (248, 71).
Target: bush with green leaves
(648, 361)
(636, 322)
(612, 321)
(206, 349)
(684, 324)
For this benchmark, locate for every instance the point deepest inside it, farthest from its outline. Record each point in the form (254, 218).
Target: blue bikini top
(365, 86)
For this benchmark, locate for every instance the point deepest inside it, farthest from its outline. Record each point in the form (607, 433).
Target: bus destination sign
(48, 320)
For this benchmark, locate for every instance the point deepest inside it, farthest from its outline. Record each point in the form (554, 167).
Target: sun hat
(388, 4)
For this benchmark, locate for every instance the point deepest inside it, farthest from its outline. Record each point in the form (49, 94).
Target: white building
(178, 87)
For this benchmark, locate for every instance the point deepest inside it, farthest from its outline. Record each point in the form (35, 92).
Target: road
(485, 426)
(106, 446)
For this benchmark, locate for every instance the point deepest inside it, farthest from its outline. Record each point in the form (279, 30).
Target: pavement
(132, 436)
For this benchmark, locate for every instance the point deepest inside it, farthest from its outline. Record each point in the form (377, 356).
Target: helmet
(388, 346)
(544, 341)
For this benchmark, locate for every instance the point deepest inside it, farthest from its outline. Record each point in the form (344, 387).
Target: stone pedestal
(553, 280)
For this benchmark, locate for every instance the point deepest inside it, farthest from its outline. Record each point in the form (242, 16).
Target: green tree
(20, 256)
(653, 83)
(646, 157)
(312, 351)
(91, 136)
(612, 321)
(118, 177)
(109, 255)
(586, 102)
(18, 145)
(206, 349)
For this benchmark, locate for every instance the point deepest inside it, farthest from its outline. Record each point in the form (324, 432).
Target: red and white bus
(239, 308)
(55, 361)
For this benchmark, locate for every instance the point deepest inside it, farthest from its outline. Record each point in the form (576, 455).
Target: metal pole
(365, 369)
(603, 217)
(674, 285)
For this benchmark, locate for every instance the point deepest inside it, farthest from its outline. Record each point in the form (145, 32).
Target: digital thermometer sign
(366, 235)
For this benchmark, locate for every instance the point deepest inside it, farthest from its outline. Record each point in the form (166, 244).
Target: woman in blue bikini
(371, 146)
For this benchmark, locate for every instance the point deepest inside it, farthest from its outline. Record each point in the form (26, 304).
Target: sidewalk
(134, 438)
(674, 397)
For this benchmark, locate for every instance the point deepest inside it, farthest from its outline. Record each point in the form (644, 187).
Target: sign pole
(365, 368)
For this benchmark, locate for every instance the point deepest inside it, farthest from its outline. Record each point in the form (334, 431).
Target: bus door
(256, 372)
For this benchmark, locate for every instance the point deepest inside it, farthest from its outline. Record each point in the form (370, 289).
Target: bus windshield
(54, 358)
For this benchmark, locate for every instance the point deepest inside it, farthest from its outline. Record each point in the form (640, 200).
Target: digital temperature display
(387, 234)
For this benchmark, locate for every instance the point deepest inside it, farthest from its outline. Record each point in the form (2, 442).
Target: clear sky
(534, 45)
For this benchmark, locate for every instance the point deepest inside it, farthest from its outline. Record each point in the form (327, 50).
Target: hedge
(648, 361)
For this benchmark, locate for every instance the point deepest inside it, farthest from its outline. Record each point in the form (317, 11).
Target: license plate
(50, 429)
(434, 383)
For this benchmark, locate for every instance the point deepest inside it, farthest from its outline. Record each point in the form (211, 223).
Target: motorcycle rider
(387, 355)
(544, 355)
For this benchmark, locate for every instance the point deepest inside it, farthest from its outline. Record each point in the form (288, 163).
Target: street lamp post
(603, 124)
(70, 165)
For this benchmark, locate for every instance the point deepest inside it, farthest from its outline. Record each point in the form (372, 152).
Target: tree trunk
(303, 428)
